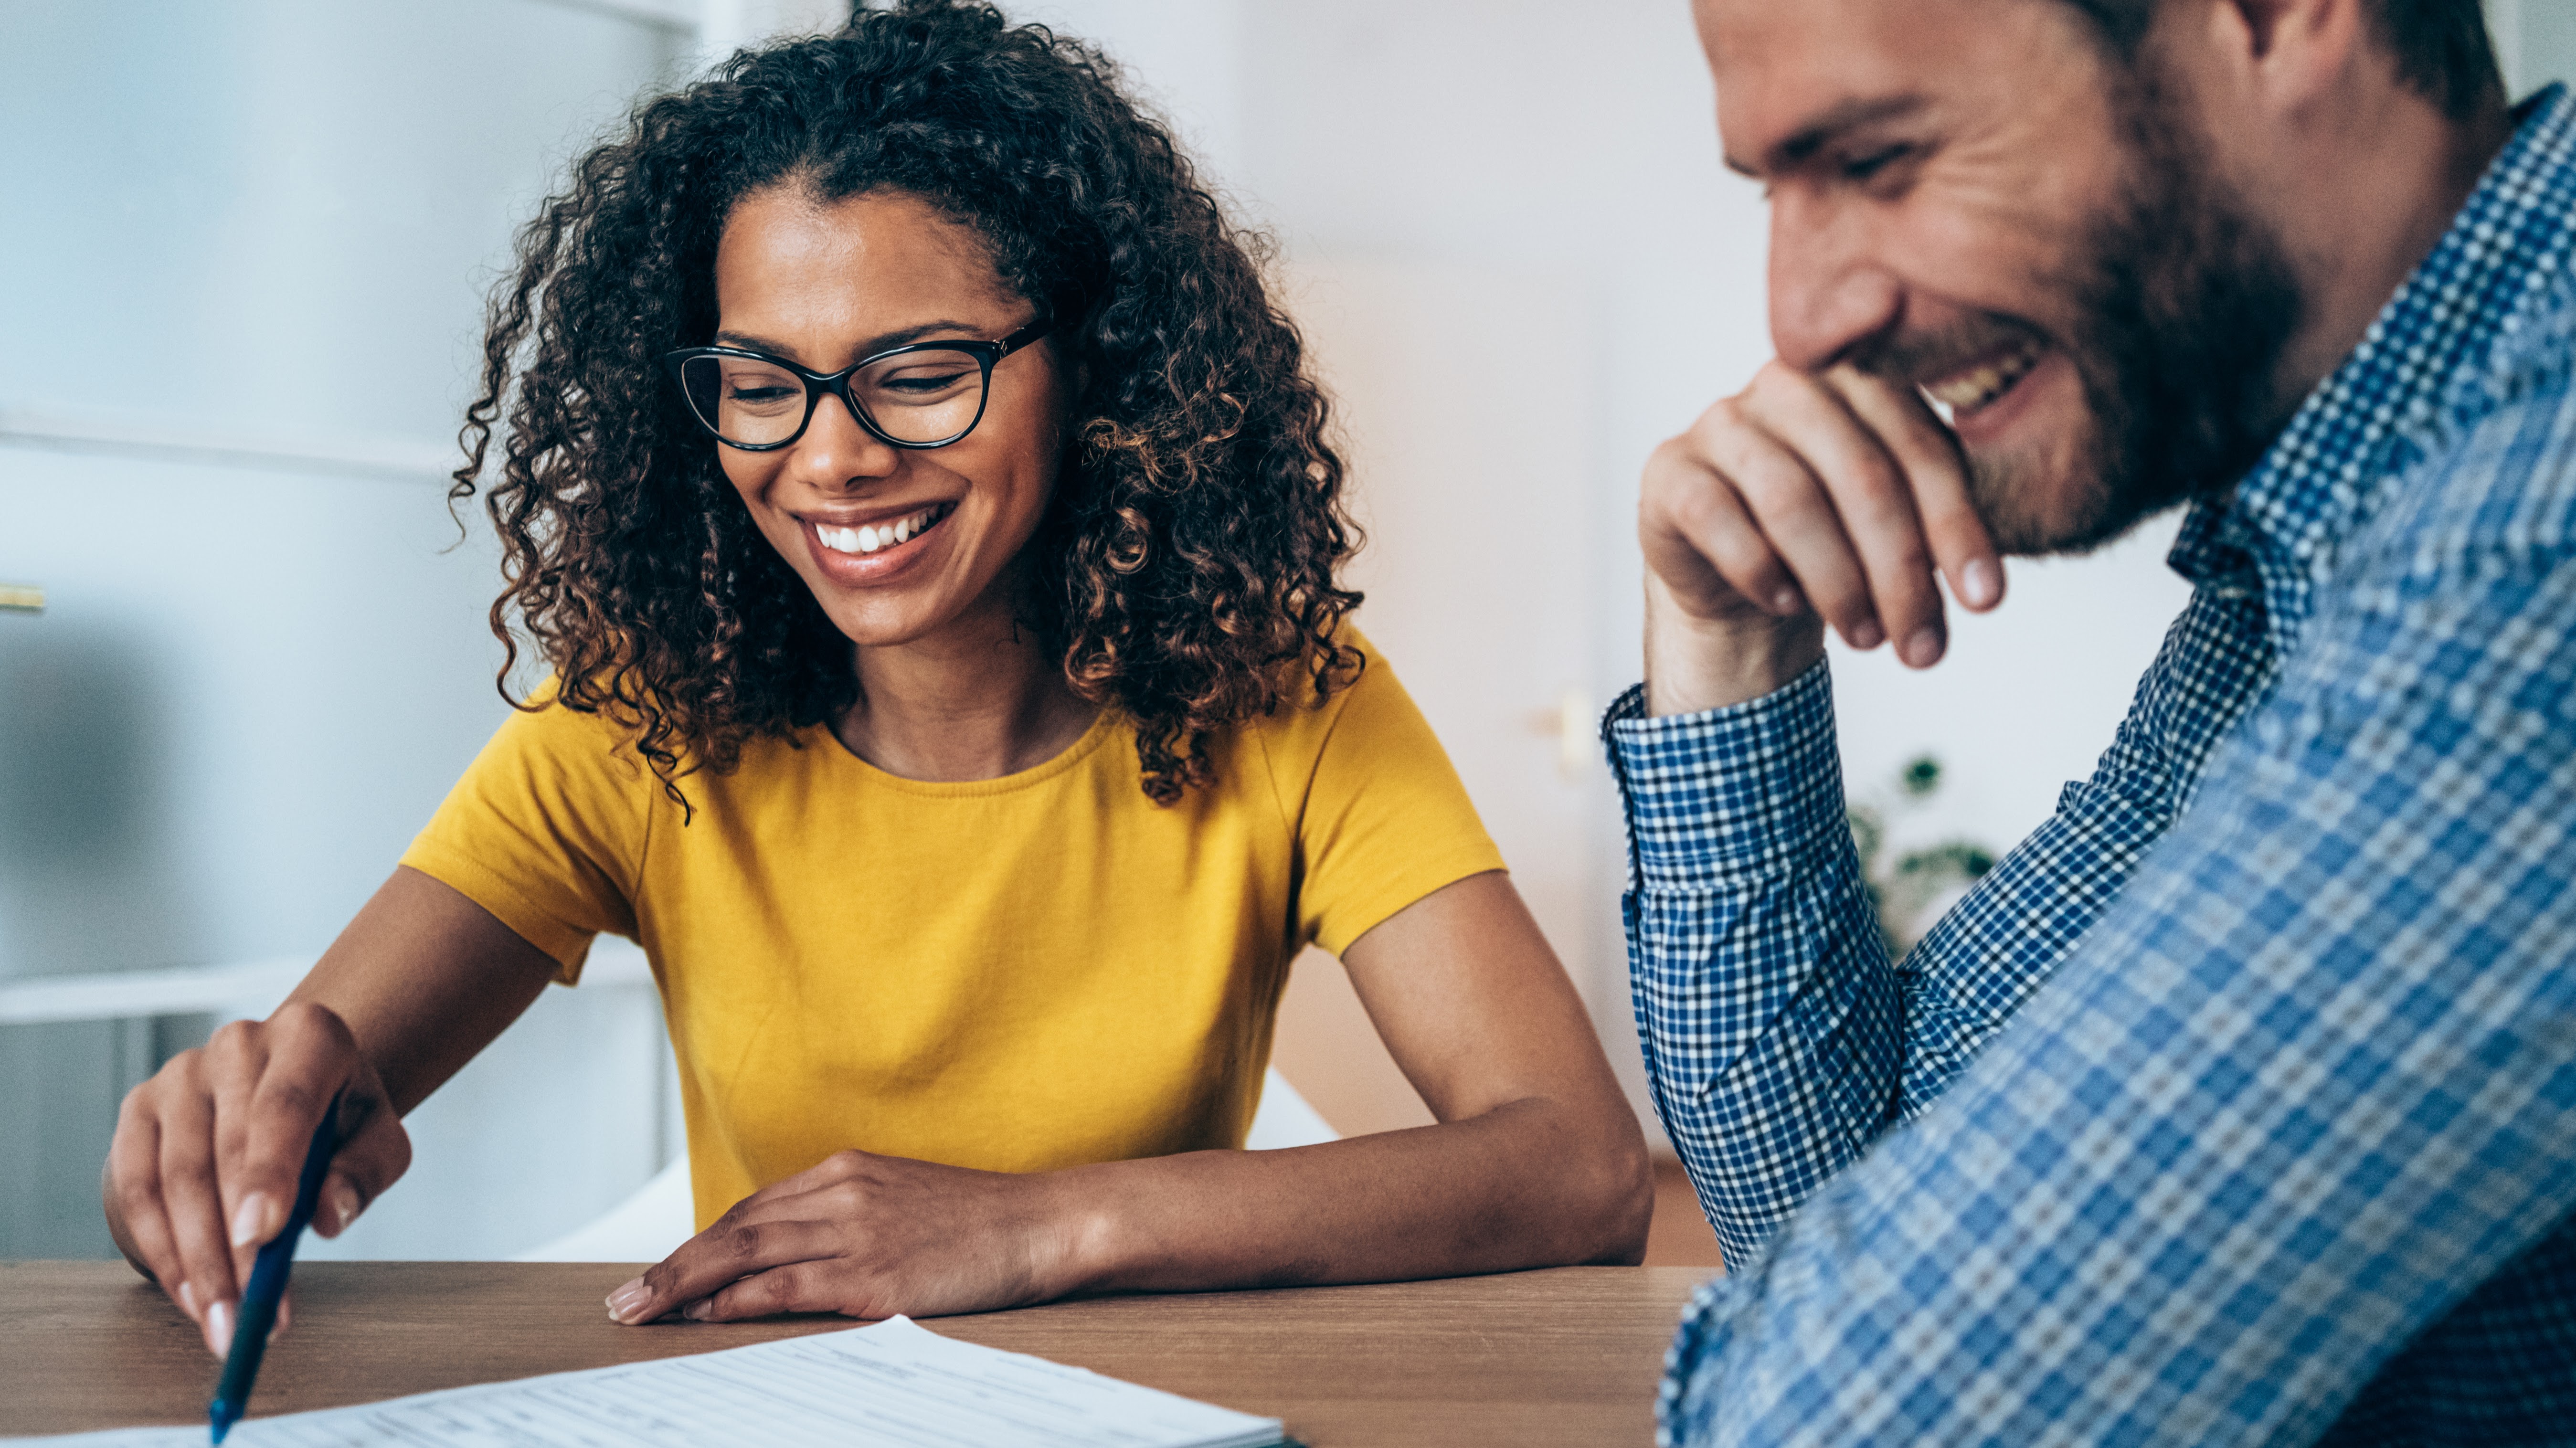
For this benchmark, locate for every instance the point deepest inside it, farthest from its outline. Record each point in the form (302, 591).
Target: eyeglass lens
(921, 397)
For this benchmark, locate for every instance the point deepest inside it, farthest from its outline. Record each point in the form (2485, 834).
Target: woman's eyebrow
(869, 348)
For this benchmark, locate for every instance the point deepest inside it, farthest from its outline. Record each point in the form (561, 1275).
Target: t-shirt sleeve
(546, 830)
(1380, 815)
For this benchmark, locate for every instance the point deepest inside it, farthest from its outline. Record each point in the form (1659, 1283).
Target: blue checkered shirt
(2237, 1104)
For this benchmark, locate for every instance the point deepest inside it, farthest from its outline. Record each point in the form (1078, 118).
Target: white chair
(649, 1225)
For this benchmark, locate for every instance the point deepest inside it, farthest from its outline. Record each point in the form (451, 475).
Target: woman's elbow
(1627, 1194)
(1609, 1195)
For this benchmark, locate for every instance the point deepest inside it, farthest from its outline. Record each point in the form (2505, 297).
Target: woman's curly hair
(1185, 570)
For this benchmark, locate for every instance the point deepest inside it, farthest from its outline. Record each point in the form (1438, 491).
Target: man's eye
(1866, 167)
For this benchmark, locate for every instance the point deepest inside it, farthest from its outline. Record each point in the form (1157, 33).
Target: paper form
(895, 1384)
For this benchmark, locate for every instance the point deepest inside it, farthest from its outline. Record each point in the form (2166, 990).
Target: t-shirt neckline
(1103, 725)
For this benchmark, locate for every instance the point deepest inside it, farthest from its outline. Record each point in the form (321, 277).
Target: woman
(933, 536)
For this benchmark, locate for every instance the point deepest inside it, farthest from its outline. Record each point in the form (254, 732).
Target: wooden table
(1565, 1356)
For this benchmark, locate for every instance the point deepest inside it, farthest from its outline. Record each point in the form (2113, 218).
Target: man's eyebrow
(1802, 145)
(869, 348)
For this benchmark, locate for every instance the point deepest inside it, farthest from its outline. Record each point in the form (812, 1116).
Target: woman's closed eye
(926, 383)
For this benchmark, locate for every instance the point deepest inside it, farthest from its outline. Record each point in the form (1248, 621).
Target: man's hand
(203, 1166)
(1801, 502)
(865, 1236)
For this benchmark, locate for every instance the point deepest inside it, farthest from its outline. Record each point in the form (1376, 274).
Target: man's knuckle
(1701, 510)
(1767, 487)
(1909, 557)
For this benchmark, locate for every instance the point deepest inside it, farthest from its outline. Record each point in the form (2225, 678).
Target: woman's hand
(207, 1153)
(1803, 501)
(203, 1167)
(866, 1236)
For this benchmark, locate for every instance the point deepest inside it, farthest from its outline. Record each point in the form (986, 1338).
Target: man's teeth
(1982, 384)
(881, 535)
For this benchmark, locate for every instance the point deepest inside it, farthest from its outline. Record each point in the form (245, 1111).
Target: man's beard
(2184, 304)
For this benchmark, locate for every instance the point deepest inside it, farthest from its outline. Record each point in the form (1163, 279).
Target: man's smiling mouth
(1979, 385)
(880, 536)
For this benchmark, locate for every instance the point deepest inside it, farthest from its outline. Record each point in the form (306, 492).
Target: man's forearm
(1766, 1006)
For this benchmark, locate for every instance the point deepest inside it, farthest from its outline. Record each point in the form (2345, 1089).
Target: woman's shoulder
(1362, 706)
(596, 735)
(542, 721)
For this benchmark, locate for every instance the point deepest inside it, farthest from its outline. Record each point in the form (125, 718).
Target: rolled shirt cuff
(1729, 793)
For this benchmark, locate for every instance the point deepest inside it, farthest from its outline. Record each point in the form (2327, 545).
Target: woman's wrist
(1078, 1232)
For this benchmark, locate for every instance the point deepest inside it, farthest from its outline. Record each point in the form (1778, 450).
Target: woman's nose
(837, 451)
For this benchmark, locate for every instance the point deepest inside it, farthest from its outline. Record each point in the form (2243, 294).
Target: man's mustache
(1917, 359)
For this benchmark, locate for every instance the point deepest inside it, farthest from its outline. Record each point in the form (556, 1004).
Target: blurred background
(241, 271)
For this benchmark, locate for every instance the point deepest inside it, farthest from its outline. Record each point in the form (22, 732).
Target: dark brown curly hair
(1185, 570)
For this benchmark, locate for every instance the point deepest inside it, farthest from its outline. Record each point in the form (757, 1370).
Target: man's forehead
(1790, 75)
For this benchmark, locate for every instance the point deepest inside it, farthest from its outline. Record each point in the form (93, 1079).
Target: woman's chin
(887, 623)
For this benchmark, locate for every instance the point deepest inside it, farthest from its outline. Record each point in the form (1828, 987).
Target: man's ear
(2286, 52)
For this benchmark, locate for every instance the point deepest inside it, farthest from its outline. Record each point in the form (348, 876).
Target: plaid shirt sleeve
(1766, 1005)
(2299, 1101)
(1780, 1041)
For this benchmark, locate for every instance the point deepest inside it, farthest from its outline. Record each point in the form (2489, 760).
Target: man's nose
(1828, 294)
(837, 452)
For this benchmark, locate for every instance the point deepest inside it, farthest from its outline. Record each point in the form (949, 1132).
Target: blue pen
(268, 1272)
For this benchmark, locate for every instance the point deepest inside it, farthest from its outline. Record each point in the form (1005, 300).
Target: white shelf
(251, 988)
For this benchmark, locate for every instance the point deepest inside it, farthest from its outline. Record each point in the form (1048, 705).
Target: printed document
(894, 1384)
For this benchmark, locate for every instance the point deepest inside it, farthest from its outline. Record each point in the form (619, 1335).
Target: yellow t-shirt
(1016, 974)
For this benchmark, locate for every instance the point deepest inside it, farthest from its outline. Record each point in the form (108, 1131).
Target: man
(2238, 1104)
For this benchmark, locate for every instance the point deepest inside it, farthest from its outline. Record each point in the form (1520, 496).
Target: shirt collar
(2510, 240)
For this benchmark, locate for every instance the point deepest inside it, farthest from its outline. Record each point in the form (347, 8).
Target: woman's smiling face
(823, 284)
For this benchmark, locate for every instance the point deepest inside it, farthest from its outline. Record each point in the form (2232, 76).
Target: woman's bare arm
(203, 1165)
(1537, 1160)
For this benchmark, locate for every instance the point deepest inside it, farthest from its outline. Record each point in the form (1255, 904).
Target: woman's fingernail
(1867, 635)
(697, 1311)
(1978, 585)
(187, 1299)
(219, 1328)
(627, 1298)
(1924, 649)
(250, 1219)
(344, 1207)
(1787, 602)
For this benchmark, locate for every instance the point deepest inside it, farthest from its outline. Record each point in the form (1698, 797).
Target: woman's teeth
(1985, 382)
(881, 535)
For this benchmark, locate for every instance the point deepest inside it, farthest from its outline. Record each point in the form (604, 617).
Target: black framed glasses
(920, 395)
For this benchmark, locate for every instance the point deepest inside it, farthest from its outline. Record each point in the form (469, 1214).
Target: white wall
(263, 224)
(2535, 39)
